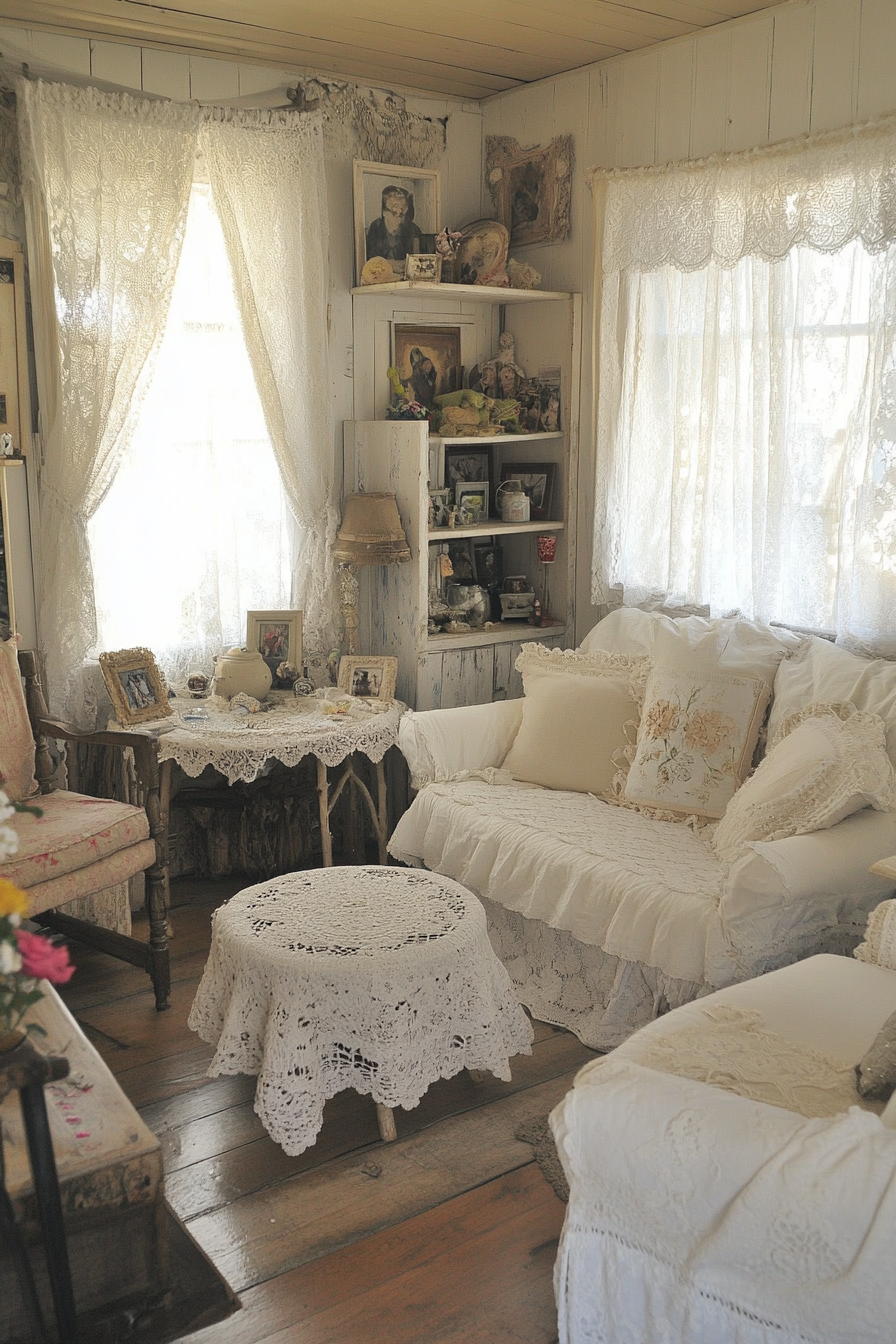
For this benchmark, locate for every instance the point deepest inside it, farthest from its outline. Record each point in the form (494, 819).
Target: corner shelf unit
(440, 671)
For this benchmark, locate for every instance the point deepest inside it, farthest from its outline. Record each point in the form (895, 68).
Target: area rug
(538, 1134)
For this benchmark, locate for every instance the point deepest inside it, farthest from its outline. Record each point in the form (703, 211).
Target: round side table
(380, 979)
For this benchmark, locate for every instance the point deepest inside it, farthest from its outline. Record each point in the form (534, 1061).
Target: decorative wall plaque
(530, 188)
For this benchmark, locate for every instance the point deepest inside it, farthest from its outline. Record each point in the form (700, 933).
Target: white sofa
(605, 917)
(757, 1210)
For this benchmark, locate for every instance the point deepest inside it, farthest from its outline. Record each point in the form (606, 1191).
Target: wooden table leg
(49, 1203)
(382, 803)
(323, 802)
(385, 1118)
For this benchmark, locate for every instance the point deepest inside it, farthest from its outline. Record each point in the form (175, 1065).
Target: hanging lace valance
(822, 192)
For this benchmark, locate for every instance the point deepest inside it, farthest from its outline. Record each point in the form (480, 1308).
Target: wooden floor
(448, 1234)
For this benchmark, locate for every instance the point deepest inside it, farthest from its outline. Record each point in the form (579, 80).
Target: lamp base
(349, 592)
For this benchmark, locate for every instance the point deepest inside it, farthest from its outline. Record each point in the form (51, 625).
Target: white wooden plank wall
(797, 68)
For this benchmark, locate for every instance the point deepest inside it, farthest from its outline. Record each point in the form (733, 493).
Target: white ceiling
(468, 48)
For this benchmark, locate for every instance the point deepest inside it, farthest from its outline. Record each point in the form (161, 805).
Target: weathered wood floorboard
(448, 1234)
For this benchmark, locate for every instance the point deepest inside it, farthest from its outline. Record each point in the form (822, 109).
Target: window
(194, 529)
(743, 433)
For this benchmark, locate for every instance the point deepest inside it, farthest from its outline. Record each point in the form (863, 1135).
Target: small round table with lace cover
(379, 979)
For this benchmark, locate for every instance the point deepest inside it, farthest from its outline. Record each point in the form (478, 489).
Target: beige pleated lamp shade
(371, 532)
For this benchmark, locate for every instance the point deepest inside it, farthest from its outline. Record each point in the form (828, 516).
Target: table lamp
(370, 534)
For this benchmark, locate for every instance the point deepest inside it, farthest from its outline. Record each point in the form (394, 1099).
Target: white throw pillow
(725, 644)
(579, 710)
(824, 770)
(822, 672)
(879, 947)
(696, 739)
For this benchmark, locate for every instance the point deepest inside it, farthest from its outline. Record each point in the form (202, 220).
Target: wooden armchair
(82, 845)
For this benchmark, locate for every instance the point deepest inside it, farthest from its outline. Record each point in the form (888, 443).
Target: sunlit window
(195, 529)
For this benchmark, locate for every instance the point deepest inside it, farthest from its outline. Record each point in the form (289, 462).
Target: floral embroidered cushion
(696, 739)
(830, 762)
(579, 711)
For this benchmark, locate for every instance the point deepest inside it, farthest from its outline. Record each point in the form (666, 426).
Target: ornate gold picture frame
(369, 678)
(531, 188)
(135, 686)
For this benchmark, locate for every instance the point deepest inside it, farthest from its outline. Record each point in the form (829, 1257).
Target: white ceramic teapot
(242, 670)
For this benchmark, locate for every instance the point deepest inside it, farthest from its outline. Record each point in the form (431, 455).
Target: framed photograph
(135, 686)
(472, 498)
(530, 188)
(467, 464)
(537, 480)
(277, 636)
(440, 501)
(397, 214)
(462, 555)
(427, 360)
(481, 252)
(369, 678)
(424, 266)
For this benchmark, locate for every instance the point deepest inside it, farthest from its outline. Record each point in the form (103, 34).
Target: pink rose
(41, 960)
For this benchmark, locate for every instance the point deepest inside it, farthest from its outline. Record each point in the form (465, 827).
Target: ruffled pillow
(696, 740)
(579, 713)
(879, 947)
(826, 768)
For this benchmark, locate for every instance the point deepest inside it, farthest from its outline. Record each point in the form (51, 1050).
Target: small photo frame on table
(537, 480)
(370, 677)
(466, 465)
(135, 686)
(397, 214)
(277, 636)
(423, 266)
(471, 498)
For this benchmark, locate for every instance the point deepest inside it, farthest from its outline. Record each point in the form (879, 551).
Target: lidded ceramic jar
(242, 670)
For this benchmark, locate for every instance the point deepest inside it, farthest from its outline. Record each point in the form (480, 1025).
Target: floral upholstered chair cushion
(696, 740)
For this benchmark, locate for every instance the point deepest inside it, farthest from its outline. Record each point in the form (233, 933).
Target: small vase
(9, 1040)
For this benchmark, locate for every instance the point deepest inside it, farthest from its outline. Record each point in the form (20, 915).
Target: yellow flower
(661, 719)
(12, 900)
(709, 730)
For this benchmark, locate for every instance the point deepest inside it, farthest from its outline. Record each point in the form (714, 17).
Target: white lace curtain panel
(747, 385)
(107, 180)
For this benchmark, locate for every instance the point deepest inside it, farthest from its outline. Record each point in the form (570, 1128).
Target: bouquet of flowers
(25, 958)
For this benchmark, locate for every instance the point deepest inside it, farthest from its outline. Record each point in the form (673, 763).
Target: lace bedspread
(240, 746)
(379, 979)
(699, 1215)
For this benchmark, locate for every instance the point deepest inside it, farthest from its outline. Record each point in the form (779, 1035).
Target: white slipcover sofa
(606, 917)
(726, 1180)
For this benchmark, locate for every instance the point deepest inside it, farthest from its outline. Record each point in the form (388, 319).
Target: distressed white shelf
(472, 440)
(469, 293)
(494, 528)
(400, 456)
(510, 632)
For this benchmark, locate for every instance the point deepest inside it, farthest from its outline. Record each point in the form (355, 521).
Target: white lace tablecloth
(379, 979)
(239, 747)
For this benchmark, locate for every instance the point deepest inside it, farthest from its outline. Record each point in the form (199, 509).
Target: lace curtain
(109, 180)
(111, 175)
(747, 413)
(267, 175)
(198, 491)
